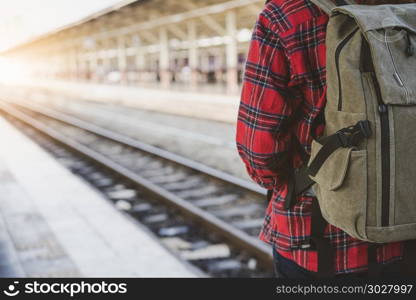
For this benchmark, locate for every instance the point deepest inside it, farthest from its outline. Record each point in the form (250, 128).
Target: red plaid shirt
(284, 91)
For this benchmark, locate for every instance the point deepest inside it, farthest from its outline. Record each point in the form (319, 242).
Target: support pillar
(93, 62)
(106, 58)
(140, 59)
(193, 53)
(122, 59)
(141, 62)
(164, 71)
(231, 52)
(73, 64)
(83, 63)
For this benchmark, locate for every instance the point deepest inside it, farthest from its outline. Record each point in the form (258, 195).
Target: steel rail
(130, 142)
(233, 235)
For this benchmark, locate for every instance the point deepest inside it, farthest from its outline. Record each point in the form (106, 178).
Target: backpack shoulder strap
(328, 5)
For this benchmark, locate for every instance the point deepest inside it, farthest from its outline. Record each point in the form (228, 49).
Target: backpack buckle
(352, 136)
(365, 128)
(343, 138)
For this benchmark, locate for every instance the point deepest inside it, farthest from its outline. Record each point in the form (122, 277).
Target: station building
(169, 44)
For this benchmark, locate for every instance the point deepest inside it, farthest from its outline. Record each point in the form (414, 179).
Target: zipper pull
(410, 50)
(382, 108)
(398, 79)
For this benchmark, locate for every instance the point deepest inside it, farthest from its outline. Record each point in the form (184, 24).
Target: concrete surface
(196, 104)
(54, 224)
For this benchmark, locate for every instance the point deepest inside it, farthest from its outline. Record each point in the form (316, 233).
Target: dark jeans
(287, 269)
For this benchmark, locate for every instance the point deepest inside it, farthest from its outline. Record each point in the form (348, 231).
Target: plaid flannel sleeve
(265, 108)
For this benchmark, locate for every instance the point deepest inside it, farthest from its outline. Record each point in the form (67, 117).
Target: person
(283, 95)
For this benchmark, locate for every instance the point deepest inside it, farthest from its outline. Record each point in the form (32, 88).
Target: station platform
(52, 224)
(205, 103)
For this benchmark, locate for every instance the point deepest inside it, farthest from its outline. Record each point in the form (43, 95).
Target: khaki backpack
(364, 167)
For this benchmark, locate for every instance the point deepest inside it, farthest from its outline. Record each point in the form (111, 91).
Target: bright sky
(21, 20)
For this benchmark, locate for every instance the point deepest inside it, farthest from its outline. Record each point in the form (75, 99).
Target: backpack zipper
(337, 56)
(410, 49)
(385, 155)
(385, 164)
(396, 74)
(385, 136)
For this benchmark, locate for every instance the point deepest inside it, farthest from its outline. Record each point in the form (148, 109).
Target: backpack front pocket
(341, 189)
(395, 50)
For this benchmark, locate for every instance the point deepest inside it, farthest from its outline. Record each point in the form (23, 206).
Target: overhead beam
(179, 18)
(149, 36)
(254, 9)
(177, 31)
(207, 19)
(144, 28)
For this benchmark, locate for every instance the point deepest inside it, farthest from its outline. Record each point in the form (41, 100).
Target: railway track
(205, 216)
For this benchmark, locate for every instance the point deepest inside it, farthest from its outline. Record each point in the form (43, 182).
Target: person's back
(283, 97)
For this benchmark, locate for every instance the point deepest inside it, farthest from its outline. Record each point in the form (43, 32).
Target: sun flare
(12, 71)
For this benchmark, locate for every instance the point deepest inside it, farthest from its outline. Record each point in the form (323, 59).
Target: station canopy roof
(130, 15)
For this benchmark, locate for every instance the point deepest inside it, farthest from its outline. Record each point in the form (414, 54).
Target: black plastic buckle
(351, 136)
(344, 139)
(365, 128)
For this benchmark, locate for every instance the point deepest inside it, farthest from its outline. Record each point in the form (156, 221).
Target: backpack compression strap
(347, 137)
(328, 5)
(300, 181)
(344, 138)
